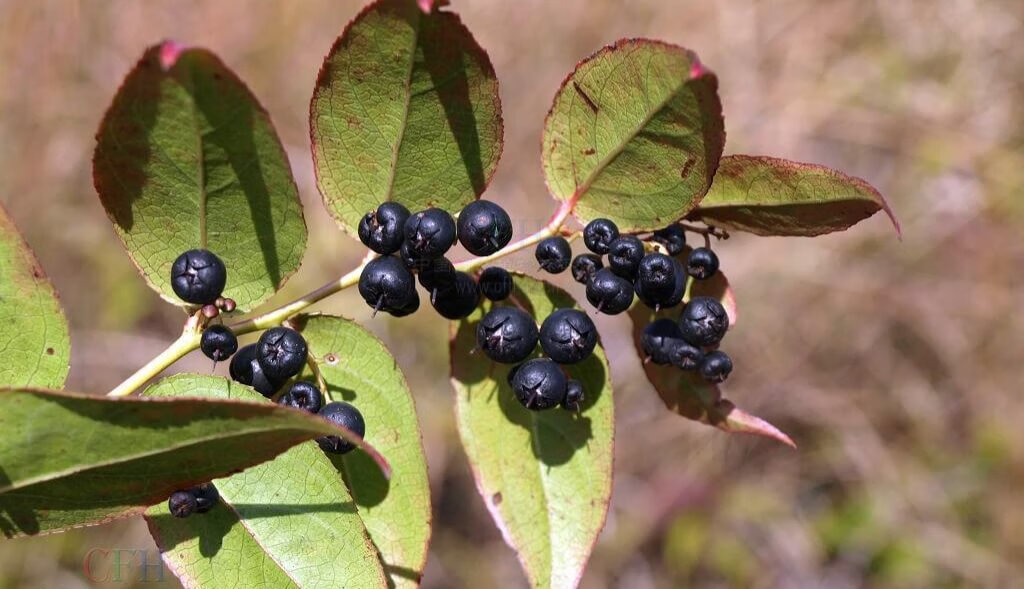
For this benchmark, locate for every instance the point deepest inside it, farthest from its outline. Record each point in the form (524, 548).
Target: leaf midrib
(405, 110)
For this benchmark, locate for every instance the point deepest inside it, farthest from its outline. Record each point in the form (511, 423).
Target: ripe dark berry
(245, 368)
(657, 340)
(553, 254)
(702, 263)
(303, 395)
(437, 273)
(198, 277)
(568, 336)
(684, 356)
(624, 255)
(430, 233)
(346, 416)
(599, 234)
(507, 335)
(573, 395)
(584, 266)
(495, 283)
(281, 352)
(703, 322)
(458, 300)
(660, 281)
(672, 237)
(181, 504)
(610, 293)
(218, 342)
(716, 366)
(387, 285)
(206, 497)
(411, 261)
(383, 230)
(484, 228)
(411, 307)
(539, 384)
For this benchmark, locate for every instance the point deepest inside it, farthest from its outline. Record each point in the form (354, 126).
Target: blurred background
(896, 366)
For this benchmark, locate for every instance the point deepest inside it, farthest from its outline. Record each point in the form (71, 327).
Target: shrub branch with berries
(406, 131)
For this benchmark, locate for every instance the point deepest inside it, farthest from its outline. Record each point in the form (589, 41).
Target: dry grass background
(895, 365)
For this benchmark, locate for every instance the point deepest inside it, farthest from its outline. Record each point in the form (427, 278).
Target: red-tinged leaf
(772, 196)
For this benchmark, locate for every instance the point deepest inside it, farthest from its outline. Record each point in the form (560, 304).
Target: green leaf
(406, 108)
(290, 522)
(34, 343)
(187, 158)
(544, 476)
(772, 196)
(685, 392)
(635, 134)
(70, 460)
(359, 369)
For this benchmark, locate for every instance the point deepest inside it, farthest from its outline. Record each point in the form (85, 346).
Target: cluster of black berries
(417, 243)
(198, 277)
(659, 281)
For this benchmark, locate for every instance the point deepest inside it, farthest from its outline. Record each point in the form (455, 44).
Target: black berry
(411, 260)
(383, 230)
(658, 339)
(245, 368)
(573, 395)
(437, 273)
(553, 254)
(539, 384)
(411, 306)
(281, 353)
(660, 281)
(303, 395)
(347, 416)
(484, 228)
(703, 322)
(495, 283)
(198, 277)
(624, 255)
(584, 266)
(716, 366)
(387, 285)
(702, 263)
(218, 342)
(568, 336)
(507, 335)
(430, 233)
(610, 293)
(599, 234)
(684, 356)
(458, 300)
(672, 237)
(181, 504)
(206, 497)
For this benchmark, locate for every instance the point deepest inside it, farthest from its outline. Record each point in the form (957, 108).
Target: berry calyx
(573, 395)
(181, 504)
(624, 255)
(347, 416)
(539, 384)
(684, 356)
(484, 228)
(458, 300)
(303, 395)
(584, 266)
(387, 285)
(702, 263)
(660, 281)
(430, 233)
(568, 336)
(218, 342)
(553, 254)
(672, 237)
(716, 366)
(703, 322)
(383, 230)
(610, 293)
(658, 339)
(507, 335)
(495, 283)
(599, 234)
(281, 352)
(206, 496)
(245, 369)
(198, 277)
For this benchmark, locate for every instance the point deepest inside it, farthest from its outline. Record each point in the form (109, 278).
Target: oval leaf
(635, 134)
(772, 196)
(290, 522)
(405, 108)
(34, 343)
(358, 369)
(544, 476)
(70, 460)
(187, 158)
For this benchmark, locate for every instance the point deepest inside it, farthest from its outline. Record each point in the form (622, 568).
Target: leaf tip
(170, 51)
